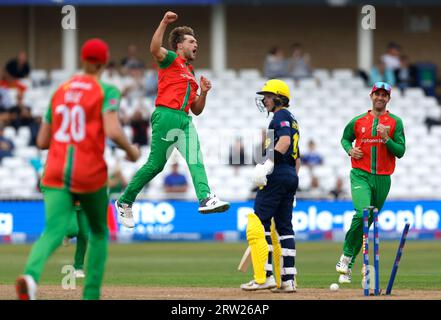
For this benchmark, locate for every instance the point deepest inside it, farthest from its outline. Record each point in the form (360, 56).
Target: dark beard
(189, 57)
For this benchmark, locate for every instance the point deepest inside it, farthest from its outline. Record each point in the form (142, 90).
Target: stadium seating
(323, 105)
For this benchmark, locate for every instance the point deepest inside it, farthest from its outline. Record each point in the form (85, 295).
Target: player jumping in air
(171, 124)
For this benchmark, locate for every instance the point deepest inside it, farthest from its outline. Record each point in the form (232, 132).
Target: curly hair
(177, 35)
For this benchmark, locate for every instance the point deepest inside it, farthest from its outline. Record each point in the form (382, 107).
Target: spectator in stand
(175, 182)
(337, 192)
(430, 122)
(131, 61)
(152, 81)
(22, 117)
(8, 86)
(391, 58)
(300, 63)
(18, 67)
(111, 76)
(5, 105)
(140, 126)
(6, 145)
(315, 190)
(311, 158)
(275, 65)
(237, 154)
(406, 74)
(380, 73)
(9, 82)
(134, 84)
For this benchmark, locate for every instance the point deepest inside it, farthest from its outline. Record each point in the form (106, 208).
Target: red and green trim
(68, 167)
(168, 59)
(187, 96)
(374, 148)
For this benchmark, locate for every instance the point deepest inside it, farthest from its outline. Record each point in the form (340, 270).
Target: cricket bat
(245, 261)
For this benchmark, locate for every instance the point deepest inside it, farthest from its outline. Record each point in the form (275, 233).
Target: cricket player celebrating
(379, 139)
(277, 179)
(177, 95)
(82, 112)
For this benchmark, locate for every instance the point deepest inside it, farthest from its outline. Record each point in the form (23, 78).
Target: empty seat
(422, 191)
(38, 77)
(307, 84)
(415, 93)
(13, 163)
(207, 73)
(249, 74)
(228, 74)
(26, 153)
(342, 74)
(58, 76)
(5, 173)
(9, 132)
(332, 84)
(24, 132)
(323, 172)
(436, 131)
(10, 186)
(321, 74)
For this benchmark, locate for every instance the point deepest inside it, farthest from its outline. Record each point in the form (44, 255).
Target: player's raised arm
(156, 48)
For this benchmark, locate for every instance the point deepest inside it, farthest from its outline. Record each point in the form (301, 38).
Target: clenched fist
(383, 131)
(356, 153)
(169, 17)
(205, 84)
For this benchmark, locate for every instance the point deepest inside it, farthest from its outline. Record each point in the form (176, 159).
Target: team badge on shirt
(284, 124)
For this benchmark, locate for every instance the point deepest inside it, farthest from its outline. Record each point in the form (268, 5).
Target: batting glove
(261, 171)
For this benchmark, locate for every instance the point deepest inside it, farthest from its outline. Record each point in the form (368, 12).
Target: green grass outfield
(213, 264)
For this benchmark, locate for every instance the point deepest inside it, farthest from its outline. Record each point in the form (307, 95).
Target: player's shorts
(276, 200)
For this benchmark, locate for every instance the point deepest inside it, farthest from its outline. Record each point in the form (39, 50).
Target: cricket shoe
(270, 283)
(125, 214)
(79, 273)
(213, 204)
(345, 278)
(343, 265)
(26, 288)
(286, 287)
